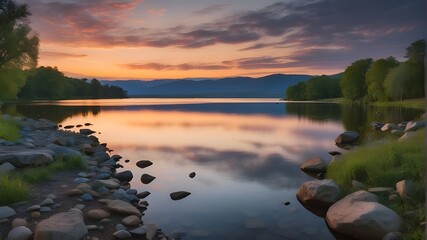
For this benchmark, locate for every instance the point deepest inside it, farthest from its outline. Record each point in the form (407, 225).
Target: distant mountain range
(271, 86)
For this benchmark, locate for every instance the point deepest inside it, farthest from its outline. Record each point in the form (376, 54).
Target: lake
(246, 155)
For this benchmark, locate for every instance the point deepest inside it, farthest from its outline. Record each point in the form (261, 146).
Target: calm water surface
(246, 154)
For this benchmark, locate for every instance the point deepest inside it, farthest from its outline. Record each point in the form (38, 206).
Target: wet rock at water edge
(314, 165)
(79, 125)
(122, 234)
(69, 127)
(143, 195)
(192, 175)
(179, 195)
(86, 131)
(127, 161)
(88, 124)
(147, 178)
(349, 137)
(334, 153)
(125, 176)
(144, 163)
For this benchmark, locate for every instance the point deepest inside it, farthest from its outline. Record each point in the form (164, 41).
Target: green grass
(15, 188)
(383, 165)
(45, 173)
(419, 103)
(9, 129)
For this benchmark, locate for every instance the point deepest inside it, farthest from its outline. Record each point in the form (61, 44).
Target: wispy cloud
(62, 55)
(157, 12)
(182, 67)
(212, 9)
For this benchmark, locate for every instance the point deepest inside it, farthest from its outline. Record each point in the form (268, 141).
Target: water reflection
(246, 156)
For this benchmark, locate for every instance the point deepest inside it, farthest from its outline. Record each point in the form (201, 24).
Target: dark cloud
(182, 67)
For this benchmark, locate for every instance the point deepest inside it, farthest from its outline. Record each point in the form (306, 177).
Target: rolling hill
(272, 86)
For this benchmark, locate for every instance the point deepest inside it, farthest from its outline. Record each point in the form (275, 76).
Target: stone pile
(103, 196)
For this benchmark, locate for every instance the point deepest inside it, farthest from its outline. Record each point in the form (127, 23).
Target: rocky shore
(97, 203)
(358, 215)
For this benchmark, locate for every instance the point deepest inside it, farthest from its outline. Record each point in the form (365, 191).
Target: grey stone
(121, 195)
(62, 226)
(144, 163)
(388, 127)
(27, 158)
(125, 176)
(404, 188)
(80, 206)
(122, 234)
(319, 192)
(91, 227)
(111, 183)
(131, 221)
(348, 137)
(102, 176)
(17, 222)
(98, 214)
(359, 215)
(20, 233)
(132, 191)
(86, 131)
(6, 168)
(393, 236)
(51, 196)
(120, 227)
(314, 165)
(192, 174)
(34, 208)
(6, 212)
(60, 150)
(45, 209)
(81, 180)
(123, 207)
(179, 195)
(140, 231)
(47, 202)
(147, 178)
(143, 195)
(151, 231)
(407, 135)
(414, 126)
(86, 197)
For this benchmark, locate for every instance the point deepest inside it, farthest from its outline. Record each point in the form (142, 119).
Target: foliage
(396, 83)
(12, 190)
(320, 87)
(18, 45)
(353, 80)
(416, 52)
(296, 92)
(50, 83)
(375, 77)
(9, 129)
(11, 81)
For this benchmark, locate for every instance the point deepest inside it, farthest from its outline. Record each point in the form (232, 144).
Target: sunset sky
(150, 39)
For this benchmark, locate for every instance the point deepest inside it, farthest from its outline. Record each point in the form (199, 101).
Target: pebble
(51, 196)
(98, 214)
(105, 220)
(122, 234)
(45, 209)
(91, 227)
(86, 197)
(17, 222)
(140, 231)
(120, 227)
(81, 180)
(131, 221)
(6, 212)
(80, 206)
(33, 208)
(101, 228)
(151, 231)
(47, 202)
(75, 192)
(143, 195)
(192, 175)
(20, 233)
(35, 215)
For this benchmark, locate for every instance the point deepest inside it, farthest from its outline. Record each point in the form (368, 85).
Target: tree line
(369, 81)
(19, 77)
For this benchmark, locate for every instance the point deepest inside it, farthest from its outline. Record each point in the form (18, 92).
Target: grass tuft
(9, 129)
(13, 189)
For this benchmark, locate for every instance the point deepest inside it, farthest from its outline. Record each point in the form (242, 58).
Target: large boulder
(359, 215)
(62, 226)
(314, 165)
(348, 137)
(319, 193)
(27, 158)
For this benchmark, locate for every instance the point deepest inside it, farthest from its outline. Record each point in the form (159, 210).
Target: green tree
(353, 85)
(397, 82)
(45, 83)
(296, 92)
(415, 54)
(375, 77)
(18, 47)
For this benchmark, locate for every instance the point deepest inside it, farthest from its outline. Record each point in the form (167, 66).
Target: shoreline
(98, 189)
